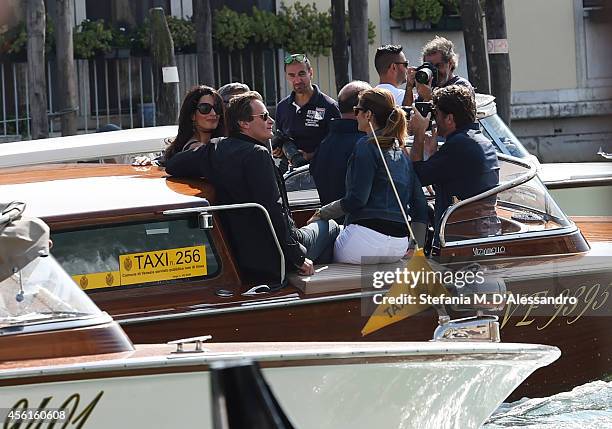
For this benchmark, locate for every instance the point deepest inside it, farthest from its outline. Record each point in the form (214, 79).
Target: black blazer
(242, 170)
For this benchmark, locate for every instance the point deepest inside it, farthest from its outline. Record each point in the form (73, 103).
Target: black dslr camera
(279, 139)
(427, 71)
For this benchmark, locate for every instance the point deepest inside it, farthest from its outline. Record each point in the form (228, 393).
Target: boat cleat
(194, 340)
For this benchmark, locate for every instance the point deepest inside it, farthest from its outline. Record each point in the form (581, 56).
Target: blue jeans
(318, 239)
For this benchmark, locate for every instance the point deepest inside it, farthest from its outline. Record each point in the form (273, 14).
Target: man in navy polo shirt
(304, 115)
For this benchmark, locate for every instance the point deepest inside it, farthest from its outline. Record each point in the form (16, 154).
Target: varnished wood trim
(106, 338)
(569, 243)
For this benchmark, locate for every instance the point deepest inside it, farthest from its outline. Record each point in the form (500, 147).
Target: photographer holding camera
(466, 165)
(438, 69)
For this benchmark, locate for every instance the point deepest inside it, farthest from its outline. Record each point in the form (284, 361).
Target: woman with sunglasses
(202, 117)
(374, 228)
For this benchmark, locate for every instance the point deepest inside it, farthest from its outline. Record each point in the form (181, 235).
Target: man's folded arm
(189, 163)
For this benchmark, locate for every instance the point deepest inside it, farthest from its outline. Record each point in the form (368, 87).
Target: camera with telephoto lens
(279, 139)
(425, 72)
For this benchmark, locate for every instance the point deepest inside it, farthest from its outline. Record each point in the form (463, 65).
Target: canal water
(585, 407)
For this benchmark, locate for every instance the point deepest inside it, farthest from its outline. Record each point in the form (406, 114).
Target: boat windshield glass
(42, 292)
(497, 130)
(524, 208)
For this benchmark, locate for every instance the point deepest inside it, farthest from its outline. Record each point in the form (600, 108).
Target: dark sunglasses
(295, 58)
(358, 109)
(405, 63)
(206, 108)
(264, 116)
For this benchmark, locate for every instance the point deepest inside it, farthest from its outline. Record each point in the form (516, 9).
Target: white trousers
(356, 242)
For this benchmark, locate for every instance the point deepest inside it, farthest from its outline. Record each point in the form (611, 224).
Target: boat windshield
(42, 292)
(523, 208)
(497, 131)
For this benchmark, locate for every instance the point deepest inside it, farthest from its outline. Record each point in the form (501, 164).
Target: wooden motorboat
(65, 362)
(101, 216)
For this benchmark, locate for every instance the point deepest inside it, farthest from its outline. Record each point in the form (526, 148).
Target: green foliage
(14, 40)
(183, 34)
(423, 10)
(266, 28)
(402, 9)
(231, 30)
(92, 38)
(306, 29)
(296, 28)
(120, 38)
(428, 10)
(139, 39)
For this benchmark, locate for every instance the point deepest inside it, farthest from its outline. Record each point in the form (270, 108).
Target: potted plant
(451, 19)
(183, 34)
(120, 43)
(416, 15)
(231, 30)
(92, 38)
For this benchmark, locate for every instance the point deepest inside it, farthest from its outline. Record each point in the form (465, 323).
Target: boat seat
(339, 277)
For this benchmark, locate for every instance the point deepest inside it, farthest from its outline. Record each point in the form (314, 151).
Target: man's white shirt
(398, 93)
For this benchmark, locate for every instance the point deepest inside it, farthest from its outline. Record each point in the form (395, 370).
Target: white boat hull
(457, 386)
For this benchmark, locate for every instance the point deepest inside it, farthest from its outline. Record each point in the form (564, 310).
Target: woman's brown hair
(387, 115)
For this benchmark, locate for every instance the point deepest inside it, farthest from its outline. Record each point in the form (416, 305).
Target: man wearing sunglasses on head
(302, 118)
(242, 171)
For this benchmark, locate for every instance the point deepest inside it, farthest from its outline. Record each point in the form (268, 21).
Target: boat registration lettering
(166, 264)
(489, 251)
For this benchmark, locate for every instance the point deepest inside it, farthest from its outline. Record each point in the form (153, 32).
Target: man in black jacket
(242, 170)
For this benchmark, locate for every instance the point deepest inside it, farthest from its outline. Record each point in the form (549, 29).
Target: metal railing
(121, 90)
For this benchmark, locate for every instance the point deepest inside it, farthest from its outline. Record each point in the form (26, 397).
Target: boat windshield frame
(529, 174)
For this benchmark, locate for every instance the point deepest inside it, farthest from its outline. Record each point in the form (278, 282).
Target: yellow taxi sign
(147, 267)
(160, 265)
(97, 280)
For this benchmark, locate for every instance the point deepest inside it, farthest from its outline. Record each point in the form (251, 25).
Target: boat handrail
(232, 207)
(525, 177)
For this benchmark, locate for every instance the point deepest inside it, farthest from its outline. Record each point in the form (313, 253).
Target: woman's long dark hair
(390, 117)
(185, 123)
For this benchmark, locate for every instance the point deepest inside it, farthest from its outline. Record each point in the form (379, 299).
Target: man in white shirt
(393, 71)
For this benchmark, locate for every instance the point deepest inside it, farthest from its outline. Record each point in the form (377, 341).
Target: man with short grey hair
(440, 53)
(230, 90)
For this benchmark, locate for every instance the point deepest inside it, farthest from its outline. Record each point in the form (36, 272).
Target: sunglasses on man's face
(295, 58)
(264, 116)
(206, 108)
